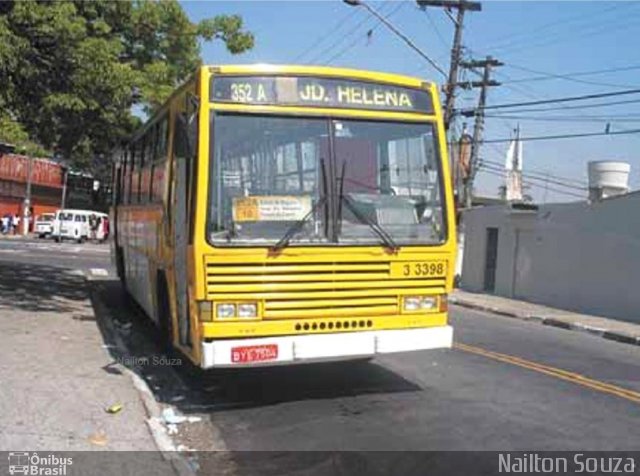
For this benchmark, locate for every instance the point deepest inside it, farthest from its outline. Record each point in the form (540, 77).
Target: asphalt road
(46, 252)
(506, 385)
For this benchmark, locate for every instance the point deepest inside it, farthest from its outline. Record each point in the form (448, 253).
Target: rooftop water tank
(608, 178)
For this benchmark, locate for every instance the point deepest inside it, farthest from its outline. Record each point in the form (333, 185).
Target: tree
(73, 69)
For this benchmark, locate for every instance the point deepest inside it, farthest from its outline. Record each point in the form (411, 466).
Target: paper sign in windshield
(270, 208)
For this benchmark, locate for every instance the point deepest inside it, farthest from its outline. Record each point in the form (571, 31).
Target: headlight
(225, 310)
(429, 302)
(412, 303)
(420, 303)
(247, 310)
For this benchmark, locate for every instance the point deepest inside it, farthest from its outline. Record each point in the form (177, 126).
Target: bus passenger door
(183, 156)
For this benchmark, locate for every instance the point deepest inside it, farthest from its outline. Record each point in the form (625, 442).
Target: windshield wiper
(381, 232)
(297, 226)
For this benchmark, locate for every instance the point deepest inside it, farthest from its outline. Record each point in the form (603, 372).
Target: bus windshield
(269, 173)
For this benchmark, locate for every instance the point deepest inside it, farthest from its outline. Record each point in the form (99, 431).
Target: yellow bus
(285, 214)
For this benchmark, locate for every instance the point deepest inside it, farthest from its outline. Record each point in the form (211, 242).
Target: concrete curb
(549, 321)
(180, 464)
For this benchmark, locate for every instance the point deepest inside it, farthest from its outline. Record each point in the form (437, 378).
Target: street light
(360, 3)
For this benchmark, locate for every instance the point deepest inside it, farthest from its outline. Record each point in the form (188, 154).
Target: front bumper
(338, 346)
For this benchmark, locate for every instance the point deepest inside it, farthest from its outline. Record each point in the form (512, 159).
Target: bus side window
(121, 176)
(159, 161)
(179, 152)
(139, 166)
(192, 161)
(145, 169)
(130, 174)
(124, 177)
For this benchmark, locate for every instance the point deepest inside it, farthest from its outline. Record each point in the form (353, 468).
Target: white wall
(580, 256)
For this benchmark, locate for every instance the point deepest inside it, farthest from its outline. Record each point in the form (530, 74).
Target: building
(49, 182)
(46, 184)
(582, 256)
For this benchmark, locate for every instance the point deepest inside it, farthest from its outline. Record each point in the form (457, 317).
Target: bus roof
(282, 69)
(274, 69)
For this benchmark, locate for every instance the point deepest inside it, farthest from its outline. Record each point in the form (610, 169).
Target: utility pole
(65, 175)
(456, 51)
(26, 205)
(478, 126)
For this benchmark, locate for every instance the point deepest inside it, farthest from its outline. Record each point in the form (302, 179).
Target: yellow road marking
(578, 379)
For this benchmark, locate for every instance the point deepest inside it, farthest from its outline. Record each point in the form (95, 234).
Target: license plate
(254, 353)
(425, 269)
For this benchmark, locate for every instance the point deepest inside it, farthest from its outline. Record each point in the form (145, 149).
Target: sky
(534, 39)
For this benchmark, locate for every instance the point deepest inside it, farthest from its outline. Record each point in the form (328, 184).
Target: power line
(400, 34)
(570, 76)
(536, 30)
(435, 28)
(488, 165)
(324, 36)
(553, 101)
(536, 185)
(564, 108)
(611, 27)
(533, 170)
(523, 91)
(357, 40)
(580, 184)
(601, 26)
(596, 119)
(349, 34)
(567, 136)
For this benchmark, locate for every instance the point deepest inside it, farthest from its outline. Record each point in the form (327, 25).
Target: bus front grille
(326, 289)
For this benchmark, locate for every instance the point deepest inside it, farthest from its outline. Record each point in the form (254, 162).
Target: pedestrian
(105, 228)
(93, 225)
(5, 224)
(15, 223)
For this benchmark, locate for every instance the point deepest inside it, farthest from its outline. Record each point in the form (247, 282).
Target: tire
(165, 326)
(41, 235)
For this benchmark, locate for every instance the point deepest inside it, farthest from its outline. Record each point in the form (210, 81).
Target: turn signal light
(205, 310)
(444, 303)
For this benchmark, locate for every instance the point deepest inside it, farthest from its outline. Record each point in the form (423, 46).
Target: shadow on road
(350, 463)
(32, 287)
(173, 379)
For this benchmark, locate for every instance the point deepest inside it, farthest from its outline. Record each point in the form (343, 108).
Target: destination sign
(319, 92)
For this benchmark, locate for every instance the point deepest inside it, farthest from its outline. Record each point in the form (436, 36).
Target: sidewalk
(19, 236)
(58, 377)
(613, 329)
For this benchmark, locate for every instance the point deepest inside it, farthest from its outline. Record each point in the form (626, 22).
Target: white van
(43, 225)
(74, 225)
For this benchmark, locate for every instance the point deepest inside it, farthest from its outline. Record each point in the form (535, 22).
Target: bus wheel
(164, 313)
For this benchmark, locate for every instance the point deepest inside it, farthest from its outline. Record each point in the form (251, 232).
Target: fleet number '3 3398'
(419, 268)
